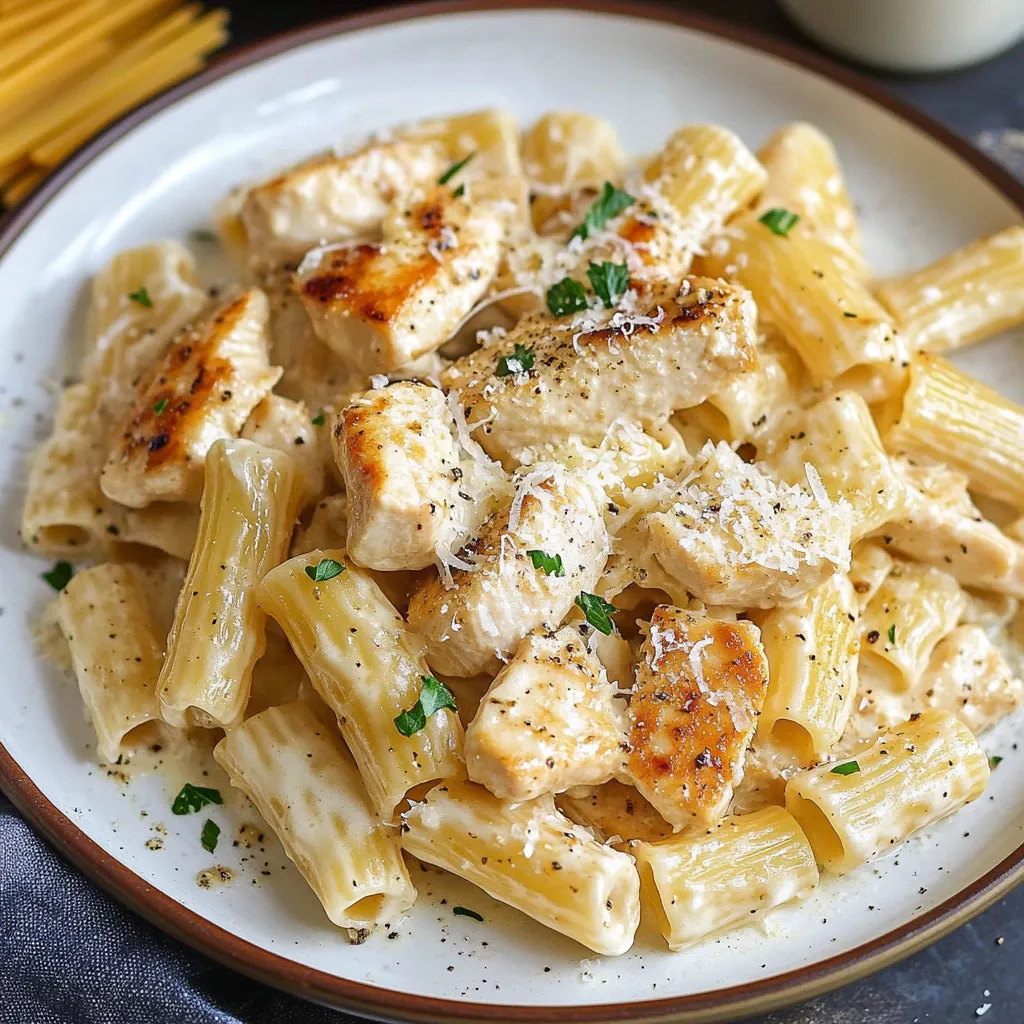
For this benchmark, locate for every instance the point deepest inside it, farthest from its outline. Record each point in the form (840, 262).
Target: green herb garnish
(458, 192)
(551, 564)
(60, 575)
(994, 760)
(598, 611)
(466, 912)
(160, 406)
(520, 361)
(434, 696)
(610, 203)
(141, 297)
(318, 419)
(194, 798)
(609, 281)
(779, 221)
(455, 168)
(847, 768)
(892, 634)
(203, 235)
(565, 297)
(211, 833)
(324, 570)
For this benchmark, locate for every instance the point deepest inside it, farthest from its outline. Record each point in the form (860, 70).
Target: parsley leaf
(455, 168)
(779, 221)
(466, 912)
(551, 564)
(159, 407)
(318, 419)
(892, 634)
(194, 798)
(994, 760)
(598, 611)
(609, 281)
(848, 768)
(434, 696)
(141, 297)
(60, 575)
(211, 833)
(565, 297)
(610, 203)
(203, 235)
(458, 192)
(520, 361)
(324, 570)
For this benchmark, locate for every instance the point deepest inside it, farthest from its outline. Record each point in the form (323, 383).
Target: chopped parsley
(892, 634)
(318, 419)
(598, 611)
(994, 760)
(160, 407)
(779, 221)
(458, 192)
(847, 768)
(520, 361)
(60, 575)
(610, 203)
(466, 912)
(551, 564)
(609, 281)
(455, 168)
(194, 798)
(141, 297)
(324, 570)
(434, 696)
(211, 833)
(565, 297)
(203, 235)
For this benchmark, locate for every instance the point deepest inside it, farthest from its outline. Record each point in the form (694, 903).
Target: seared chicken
(549, 721)
(700, 686)
(576, 382)
(614, 811)
(500, 597)
(334, 198)
(384, 305)
(211, 379)
(395, 449)
(968, 676)
(942, 527)
(733, 536)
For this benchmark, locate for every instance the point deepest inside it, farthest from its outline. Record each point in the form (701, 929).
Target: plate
(159, 173)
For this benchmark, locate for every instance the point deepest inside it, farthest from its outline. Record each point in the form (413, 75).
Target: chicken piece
(288, 426)
(838, 437)
(943, 527)
(733, 536)
(969, 677)
(615, 812)
(549, 721)
(700, 686)
(210, 380)
(395, 449)
(499, 597)
(334, 198)
(384, 305)
(575, 383)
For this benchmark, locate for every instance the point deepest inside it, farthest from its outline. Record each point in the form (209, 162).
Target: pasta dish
(597, 529)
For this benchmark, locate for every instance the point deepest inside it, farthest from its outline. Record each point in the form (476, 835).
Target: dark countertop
(950, 981)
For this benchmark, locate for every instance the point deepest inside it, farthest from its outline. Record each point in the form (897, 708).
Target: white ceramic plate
(159, 175)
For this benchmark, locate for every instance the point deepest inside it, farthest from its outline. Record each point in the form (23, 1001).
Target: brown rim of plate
(170, 916)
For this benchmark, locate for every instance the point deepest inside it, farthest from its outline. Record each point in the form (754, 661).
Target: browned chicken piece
(210, 380)
(575, 383)
(700, 686)
(550, 720)
(383, 305)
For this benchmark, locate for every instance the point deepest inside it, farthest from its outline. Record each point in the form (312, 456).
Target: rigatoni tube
(116, 650)
(709, 880)
(250, 501)
(531, 857)
(923, 770)
(306, 785)
(367, 666)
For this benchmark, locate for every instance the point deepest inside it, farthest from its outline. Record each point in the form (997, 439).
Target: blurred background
(68, 68)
